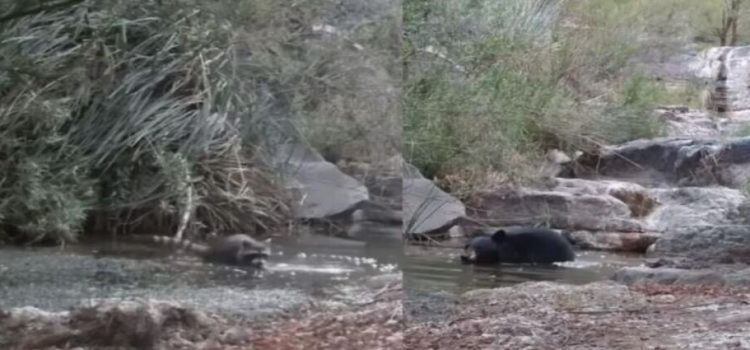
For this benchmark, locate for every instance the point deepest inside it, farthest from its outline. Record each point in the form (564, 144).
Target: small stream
(298, 272)
(434, 278)
(441, 269)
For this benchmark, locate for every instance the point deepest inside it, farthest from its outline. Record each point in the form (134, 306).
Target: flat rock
(564, 209)
(668, 162)
(694, 206)
(721, 244)
(320, 189)
(427, 208)
(632, 242)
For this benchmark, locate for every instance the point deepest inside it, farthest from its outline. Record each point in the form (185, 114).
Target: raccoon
(237, 249)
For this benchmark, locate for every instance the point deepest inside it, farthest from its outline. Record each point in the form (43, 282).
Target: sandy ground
(368, 316)
(602, 315)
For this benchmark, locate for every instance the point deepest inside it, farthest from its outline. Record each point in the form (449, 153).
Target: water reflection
(309, 263)
(435, 270)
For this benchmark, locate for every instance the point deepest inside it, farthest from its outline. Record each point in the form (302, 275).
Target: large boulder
(609, 214)
(427, 208)
(666, 162)
(721, 244)
(562, 209)
(694, 207)
(320, 189)
(631, 242)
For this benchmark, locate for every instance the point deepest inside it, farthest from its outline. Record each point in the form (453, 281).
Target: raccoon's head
(255, 254)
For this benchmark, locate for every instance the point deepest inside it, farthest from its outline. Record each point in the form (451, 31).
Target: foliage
(491, 86)
(112, 114)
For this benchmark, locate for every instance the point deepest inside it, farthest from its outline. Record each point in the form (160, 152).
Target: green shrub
(490, 86)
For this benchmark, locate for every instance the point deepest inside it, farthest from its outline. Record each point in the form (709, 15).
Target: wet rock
(667, 162)
(375, 221)
(675, 262)
(320, 189)
(694, 206)
(324, 193)
(636, 197)
(633, 242)
(427, 208)
(558, 208)
(374, 230)
(720, 244)
(377, 214)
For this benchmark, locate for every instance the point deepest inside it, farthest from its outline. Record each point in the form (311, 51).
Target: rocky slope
(683, 195)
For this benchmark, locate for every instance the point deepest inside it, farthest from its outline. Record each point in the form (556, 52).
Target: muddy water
(297, 273)
(434, 278)
(440, 269)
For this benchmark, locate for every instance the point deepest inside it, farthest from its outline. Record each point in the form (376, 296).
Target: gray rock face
(729, 69)
(694, 207)
(690, 123)
(683, 122)
(724, 244)
(669, 161)
(559, 209)
(427, 208)
(320, 189)
(609, 214)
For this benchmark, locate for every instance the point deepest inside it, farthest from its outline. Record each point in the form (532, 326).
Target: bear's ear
(498, 236)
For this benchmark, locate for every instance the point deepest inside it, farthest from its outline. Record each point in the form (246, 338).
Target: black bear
(518, 245)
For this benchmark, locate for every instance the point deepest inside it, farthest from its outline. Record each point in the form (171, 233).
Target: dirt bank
(602, 315)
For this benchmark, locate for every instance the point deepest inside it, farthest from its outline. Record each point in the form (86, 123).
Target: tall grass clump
(124, 116)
